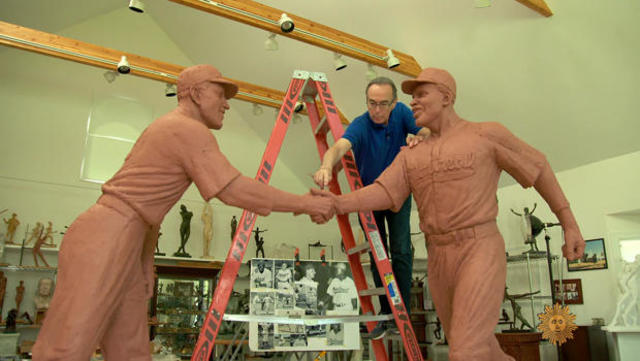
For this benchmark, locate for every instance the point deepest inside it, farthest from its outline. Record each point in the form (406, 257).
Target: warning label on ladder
(377, 245)
(393, 288)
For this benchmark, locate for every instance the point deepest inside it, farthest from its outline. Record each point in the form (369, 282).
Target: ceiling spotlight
(371, 73)
(286, 24)
(136, 5)
(123, 65)
(257, 109)
(170, 90)
(110, 76)
(271, 43)
(299, 107)
(392, 61)
(338, 63)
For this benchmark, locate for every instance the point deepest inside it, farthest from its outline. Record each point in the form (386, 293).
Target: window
(113, 126)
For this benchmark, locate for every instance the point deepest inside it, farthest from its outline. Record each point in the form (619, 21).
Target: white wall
(598, 193)
(44, 106)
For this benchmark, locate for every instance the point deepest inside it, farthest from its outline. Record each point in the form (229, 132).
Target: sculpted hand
(413, 140)
(324, 196)
(320, 209)
(573, 247)
(322, 177)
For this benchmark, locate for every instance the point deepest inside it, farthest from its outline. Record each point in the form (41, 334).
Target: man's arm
(548, 187)
(323, 176)
(370, 198)
(247, 193)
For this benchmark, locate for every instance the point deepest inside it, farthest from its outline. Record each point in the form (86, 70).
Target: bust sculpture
(44, 292)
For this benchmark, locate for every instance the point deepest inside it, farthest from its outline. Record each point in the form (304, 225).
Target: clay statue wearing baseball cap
(453, 176)
(105, 268)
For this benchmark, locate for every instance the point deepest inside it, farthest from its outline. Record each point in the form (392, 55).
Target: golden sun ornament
(556, 324)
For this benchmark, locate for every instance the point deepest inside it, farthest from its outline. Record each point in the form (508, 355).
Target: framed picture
(594, 257)
(572, 291)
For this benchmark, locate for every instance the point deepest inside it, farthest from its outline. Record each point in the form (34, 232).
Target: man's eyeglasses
(382, 105)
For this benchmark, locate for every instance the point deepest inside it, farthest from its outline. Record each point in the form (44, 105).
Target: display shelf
(8, 267)
(42, 248)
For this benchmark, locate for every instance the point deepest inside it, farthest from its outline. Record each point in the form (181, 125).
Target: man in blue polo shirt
(376, 137)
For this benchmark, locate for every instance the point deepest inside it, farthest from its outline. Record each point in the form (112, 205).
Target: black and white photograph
(283, 275)
(265, 336)
(263, 303)
(262, 273)
(342, 290)
(306, 288)
(285, 301)
(316, 331)
(335, 335)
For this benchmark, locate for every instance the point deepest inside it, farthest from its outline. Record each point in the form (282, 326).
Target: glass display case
(179, 306)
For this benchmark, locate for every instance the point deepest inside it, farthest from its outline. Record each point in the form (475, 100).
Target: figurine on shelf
(259, 241)
(234, 225)
(44, 292)
(207, 229)
(35, 233)
(158, 253)
(37, 252)
(185, 231)
(12, 225)
(48, 235)
(517, 311)
(19, 295)
(3, 289)
(11, 321)
(627, 307)
(528, 223)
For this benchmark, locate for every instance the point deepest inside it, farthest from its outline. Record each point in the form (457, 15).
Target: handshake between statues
(326, 204)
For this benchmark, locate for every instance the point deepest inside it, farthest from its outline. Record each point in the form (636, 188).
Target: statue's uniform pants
(467, 273)
(100, 298)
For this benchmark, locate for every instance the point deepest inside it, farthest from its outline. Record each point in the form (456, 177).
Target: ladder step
(323, 126)
(373, 292)
(361, 248)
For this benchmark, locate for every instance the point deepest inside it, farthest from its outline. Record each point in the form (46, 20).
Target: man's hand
(322, 176)
(573, 247)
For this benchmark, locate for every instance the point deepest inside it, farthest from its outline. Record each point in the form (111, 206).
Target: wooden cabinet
(523, 346)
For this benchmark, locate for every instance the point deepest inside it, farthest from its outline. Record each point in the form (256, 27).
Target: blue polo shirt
(375, 146)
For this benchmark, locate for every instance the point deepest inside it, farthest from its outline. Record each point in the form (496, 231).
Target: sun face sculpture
(556, 324)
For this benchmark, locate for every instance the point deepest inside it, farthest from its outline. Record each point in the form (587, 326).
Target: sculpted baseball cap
(431, 75)
(197, 74)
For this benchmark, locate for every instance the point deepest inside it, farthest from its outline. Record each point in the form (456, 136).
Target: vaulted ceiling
(566, 84)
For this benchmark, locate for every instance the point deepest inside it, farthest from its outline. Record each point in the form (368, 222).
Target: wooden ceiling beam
(266, 18)
(74, 50)
(539, 6)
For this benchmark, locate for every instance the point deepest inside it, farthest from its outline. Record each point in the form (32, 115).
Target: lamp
(338, 63)
(371, 73)
(110, 76)
(299, 106)
(136, 5)
(391, 59)
(286, 24)
(257, 109)
(123, 65)
(170, 90)
(271, 43)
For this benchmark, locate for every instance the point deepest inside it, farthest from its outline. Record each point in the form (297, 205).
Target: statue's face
(557, 324)
(44, 289)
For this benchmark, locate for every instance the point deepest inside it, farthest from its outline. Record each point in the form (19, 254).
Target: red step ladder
(312, 88)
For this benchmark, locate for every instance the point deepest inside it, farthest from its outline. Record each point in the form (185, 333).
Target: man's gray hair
(382, 80)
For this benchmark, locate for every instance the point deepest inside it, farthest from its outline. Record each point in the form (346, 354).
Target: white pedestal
(9, 344)
(626, 341)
